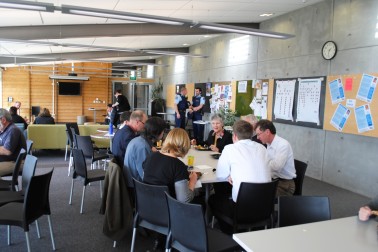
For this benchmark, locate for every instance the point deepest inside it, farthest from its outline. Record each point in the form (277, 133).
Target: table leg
(94, 116)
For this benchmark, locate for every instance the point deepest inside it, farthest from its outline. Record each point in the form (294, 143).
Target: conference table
(345, 234)
(104, 134)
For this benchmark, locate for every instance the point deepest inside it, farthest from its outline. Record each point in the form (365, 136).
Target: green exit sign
(132, 75)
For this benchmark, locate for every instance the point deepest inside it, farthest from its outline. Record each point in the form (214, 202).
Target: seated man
(366, 211)
(11, 142)
(280, 157)
(124, 135)
(242, 161)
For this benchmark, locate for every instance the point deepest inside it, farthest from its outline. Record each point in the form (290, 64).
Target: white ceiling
(20, 24)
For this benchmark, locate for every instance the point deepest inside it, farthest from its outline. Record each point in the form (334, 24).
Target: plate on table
(202, 148)
(216, 155)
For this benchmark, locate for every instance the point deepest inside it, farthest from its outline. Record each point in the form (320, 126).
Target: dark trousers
(180, 123)
(223, 205)
(197, 128)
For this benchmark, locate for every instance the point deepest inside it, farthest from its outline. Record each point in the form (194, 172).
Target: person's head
(265, 131)
(252, 119)
(13, 110)
(17, 104)
(45, 112)
(154, 128)
(217, 123)
(109, 108)
(124, 118)
(177, 143)
(137, 120)
(5, 119)
(242, 130)
(183, 91)
(198, 91)
(117, 92)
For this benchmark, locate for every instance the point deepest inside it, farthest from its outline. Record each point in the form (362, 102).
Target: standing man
(242, 161)
(181, 104)
(124, 135)
(121, 105)
(11, 142)
(197, 103)
(280, 157)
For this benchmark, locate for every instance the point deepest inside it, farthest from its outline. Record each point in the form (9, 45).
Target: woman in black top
(164, 167)
(44, 117)
(218, 137)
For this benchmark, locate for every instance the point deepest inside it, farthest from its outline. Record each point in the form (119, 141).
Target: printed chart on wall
(352, 96)
(299, 101)
(221, 96)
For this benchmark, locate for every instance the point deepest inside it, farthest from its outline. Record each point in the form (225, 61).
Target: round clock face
(329, 50)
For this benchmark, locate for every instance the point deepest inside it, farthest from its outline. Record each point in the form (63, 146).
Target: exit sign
(132, 75)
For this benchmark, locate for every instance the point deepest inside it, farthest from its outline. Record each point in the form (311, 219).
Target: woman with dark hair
(44, 117)
(140, 148)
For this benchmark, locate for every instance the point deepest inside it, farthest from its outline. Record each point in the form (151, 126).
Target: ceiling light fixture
(159, 52)
(68, 77)
(244, 30)
(266, 14)
(27, 5)
(92, 12)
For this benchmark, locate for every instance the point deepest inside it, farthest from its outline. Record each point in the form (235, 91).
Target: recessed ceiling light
(207, 36)
(266, 14)
(185, 44)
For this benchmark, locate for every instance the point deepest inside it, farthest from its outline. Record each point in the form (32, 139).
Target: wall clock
(329, 50)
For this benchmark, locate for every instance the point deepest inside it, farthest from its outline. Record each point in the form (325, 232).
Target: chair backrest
(300, 168)
(255, 202)
(295, 210)
(187, 226)
(29, 145)
(150, 203)
(36, 201)
(16, 170)
(80, 166)
(28, 170)
(70, 133)
(85, 144)
(21, 126)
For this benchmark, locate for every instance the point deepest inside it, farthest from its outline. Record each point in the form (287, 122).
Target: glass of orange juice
(190, 161)
(158, 143)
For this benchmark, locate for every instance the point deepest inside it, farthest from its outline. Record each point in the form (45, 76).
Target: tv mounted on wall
(69, 88)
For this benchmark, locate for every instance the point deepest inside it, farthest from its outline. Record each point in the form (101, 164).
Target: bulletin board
(355, 102)
(244, 99)
(299, 100)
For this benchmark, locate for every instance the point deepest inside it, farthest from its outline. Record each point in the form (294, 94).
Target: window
(239, 49)
(179, 64)
(150, 71)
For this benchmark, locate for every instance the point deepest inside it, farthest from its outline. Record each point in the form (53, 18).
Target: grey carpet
(83, 232)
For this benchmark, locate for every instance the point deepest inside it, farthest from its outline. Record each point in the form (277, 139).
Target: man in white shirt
(280, 157)
(242, 161)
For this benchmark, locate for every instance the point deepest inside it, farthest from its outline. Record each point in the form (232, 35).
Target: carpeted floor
(83, 232)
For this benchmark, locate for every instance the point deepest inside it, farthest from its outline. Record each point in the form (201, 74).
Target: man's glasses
(259, 133)
(141, 122)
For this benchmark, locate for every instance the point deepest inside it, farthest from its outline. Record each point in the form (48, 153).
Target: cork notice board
(351, 85)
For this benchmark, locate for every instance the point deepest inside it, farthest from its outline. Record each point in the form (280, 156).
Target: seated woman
(367, 211)
(44, 117)
(164, 168)
(218, 137)
(141, 147)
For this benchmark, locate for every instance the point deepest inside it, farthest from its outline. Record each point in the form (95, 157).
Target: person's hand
(230, 180)
(178, 115)
(190, 111)
(193, 142)
(193, 177)
(154, 149)
(364, 213)
(214, 148)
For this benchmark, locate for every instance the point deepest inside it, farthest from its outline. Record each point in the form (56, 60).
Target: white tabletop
(346, 234)
(203, 159)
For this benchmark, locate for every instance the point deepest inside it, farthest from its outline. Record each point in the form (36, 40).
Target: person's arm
(224, 168)
(141, 157)
(364, 213)
(177, 100)
(4, 151)
(195, 109)
(183, 193)
(277, 162)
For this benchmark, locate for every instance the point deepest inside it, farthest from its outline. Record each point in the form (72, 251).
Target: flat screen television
(69, 88)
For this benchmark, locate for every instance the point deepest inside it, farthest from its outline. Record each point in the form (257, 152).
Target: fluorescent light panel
(175, 53)
(83, 11)
(27, 5)
(68, 77)
(244, 30)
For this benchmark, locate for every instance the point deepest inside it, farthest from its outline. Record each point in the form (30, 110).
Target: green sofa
(53, 136)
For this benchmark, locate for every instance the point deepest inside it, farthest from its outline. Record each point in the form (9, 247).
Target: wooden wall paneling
(42, 92)
(16, 84)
